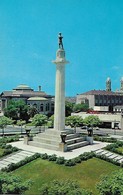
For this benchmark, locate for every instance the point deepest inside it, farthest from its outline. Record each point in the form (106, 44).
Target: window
(35, 105)
(52, 107)
(46, 108)
(41, 107)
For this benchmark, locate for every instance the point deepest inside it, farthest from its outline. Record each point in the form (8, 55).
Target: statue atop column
(60, 41)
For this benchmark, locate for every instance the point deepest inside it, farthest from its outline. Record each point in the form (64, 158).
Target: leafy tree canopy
(39, 120)
(74, 121)
(17, 109)
(12, 184)
(32, 111)
(92, 121)
(21, 122)
(111, 184)
(80, 107)
(63, 187)
(51, 121)
(68, 108)
(4, 121)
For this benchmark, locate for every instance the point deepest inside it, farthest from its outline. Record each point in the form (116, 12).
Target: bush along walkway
(109, 156)
(14, 158)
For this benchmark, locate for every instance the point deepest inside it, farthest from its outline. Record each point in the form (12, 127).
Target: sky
(92, 36)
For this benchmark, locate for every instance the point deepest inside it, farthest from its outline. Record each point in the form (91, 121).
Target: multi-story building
(44, 103)
(102, 100)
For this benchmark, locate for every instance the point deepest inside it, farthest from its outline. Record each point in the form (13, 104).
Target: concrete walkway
(14, 158)
(66, 155)
(27, 150)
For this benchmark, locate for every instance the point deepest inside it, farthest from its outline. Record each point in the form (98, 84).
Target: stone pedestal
(63, 147)
(26, 140)
(89, 139)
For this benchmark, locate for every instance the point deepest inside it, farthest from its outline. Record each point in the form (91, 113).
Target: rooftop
(23, 87)
(99, 92)
(37, 99)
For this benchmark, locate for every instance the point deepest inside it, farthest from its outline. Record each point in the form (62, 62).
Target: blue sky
(93, 41)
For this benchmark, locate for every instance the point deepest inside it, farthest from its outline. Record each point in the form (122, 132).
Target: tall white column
(59, 116)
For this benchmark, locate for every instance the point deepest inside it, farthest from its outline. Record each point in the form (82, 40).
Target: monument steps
(44, 145)
(46, 140)
(77, 145)
(47, 136)
(75, 140)
(72, 135)
(50, 139)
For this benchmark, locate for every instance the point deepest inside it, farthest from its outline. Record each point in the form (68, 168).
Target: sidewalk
(66, 155)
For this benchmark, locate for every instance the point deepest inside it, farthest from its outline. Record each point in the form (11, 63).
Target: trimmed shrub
(105, 139)
(77, 160)
(86, 155)
(52, 157)
(104, 157)
(70, 162)
(44, 156)
(60, 160)
(113, 147)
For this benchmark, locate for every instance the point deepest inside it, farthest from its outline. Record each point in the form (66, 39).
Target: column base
(90, 140)
(63, 147)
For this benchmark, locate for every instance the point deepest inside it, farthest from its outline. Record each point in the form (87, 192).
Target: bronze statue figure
(60, 41)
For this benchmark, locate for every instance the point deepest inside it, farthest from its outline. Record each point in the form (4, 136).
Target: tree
(21, 123)
(4, 121)
(81, 107)
(11, 110)
(68, 108)
(10, 184)
(51, 121)
(111, 184)
(74, 121)
(92, 121)
(32, 111)
(17, 110)
(39, 120)
(66, 187)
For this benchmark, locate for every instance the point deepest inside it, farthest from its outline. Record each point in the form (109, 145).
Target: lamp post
(114, 127)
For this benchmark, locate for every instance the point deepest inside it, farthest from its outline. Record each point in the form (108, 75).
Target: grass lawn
(87, 173)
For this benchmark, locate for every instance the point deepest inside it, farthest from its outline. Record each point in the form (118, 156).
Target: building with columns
(39, 99)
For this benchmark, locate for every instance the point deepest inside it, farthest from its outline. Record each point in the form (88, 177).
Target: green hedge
(105, 139)
(104, 157)
(113, 147)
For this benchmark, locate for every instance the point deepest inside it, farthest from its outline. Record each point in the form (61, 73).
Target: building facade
(102, 98)
(108, 120)
(39, 99)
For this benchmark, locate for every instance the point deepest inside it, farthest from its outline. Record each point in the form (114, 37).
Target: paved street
(11, 130)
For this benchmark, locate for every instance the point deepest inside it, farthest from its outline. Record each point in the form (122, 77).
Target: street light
(114, 127)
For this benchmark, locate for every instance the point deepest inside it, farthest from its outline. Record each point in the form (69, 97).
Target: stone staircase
(14, 158)
(50, 139)
(110, 155)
